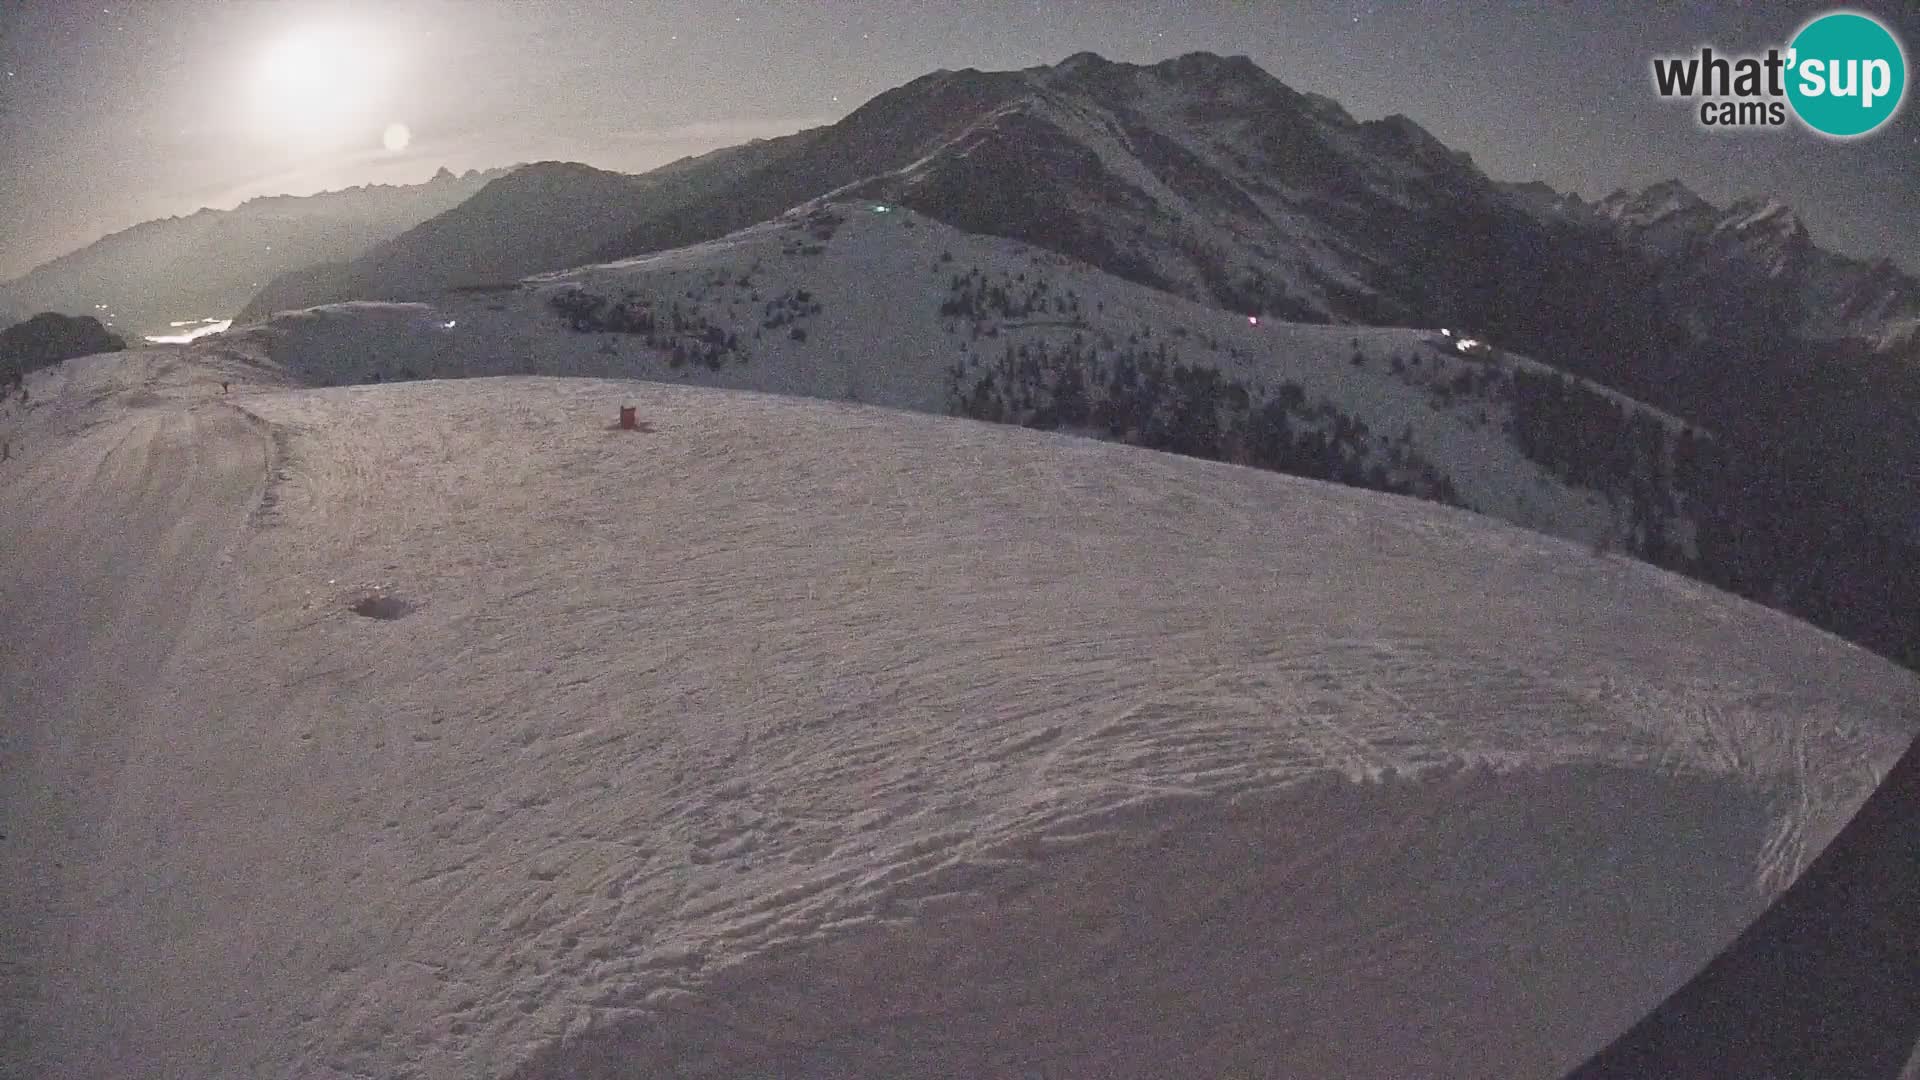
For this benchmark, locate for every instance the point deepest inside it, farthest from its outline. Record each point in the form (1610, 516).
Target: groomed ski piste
(445, 729)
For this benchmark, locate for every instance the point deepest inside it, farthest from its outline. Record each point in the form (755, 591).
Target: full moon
(316, 85)
(396, 137)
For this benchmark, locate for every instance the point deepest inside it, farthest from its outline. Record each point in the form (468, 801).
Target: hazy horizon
(118, 115)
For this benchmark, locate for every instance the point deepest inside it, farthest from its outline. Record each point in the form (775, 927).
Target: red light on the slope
(1253, 320)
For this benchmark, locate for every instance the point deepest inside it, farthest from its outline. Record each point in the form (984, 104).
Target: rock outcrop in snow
(49, 338)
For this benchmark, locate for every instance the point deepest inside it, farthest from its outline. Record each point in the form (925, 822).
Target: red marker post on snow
(628, 421)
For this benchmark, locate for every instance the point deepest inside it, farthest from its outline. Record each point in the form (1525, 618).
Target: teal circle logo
(1847, 74)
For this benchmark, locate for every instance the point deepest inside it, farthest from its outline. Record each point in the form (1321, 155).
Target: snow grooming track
(792, 738)
(108, 536)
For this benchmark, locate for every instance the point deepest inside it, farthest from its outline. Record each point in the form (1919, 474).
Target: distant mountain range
(875, 303)
(1203, 176)
(1753, 252)
(536, 218)
(1205, 179)
(208, 264)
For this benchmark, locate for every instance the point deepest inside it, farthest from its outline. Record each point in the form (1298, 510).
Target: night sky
(122, 110)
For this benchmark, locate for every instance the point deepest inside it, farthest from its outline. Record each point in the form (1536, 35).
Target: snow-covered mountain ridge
(872, 302)
(1754, 257)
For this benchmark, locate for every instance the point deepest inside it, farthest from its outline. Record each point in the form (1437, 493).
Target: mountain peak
(1208, 65)
(1327, 110)
(1085, 60)
(443, 175)
(1404, 136)
(1770, 230)
(1655, 202)
(1671, 185)
(1194, 65)
(1404, 126)
(1768, 212)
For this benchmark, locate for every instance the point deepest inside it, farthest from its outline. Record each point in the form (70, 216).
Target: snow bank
(808, 739)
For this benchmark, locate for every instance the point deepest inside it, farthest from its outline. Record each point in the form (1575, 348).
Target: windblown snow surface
(793, 738)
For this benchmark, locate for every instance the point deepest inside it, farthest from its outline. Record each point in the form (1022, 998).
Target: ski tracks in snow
(770, 678)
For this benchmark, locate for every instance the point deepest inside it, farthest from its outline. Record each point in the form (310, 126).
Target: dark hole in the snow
(381, 607)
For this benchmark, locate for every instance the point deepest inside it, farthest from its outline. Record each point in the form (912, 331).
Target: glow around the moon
(317, 84)
(396, 137)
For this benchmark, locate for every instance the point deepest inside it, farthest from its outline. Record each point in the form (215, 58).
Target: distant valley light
(203, 329)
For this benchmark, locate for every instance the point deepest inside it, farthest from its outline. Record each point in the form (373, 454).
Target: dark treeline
(1143, 395)
(684, 335)
(1777, 501)
(1772, 518)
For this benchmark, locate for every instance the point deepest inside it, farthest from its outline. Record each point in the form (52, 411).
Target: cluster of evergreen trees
(685, 336)
(977, 295)
(1782, 513)
(1589, 438)
(1145, 396)
(788, 308)
(810, 235)
(1784, 527)
(1249, 290)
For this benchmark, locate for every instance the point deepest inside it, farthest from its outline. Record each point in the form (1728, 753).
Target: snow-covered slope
(875, 303)
(811, 739)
